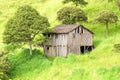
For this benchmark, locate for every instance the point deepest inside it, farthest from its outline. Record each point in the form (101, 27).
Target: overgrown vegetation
(103, 63)
(4, 67)
(30, 66)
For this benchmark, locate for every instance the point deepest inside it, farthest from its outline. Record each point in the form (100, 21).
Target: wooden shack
(67, 39)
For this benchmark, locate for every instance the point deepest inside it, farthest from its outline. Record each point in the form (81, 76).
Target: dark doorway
(89, 48)
(84, 49)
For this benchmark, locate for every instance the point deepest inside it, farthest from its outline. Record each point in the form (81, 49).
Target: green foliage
(29, 65)
(4, 67)
(71, 15)
(76, 2)
(98, 65)
(107, 16)
(42, 38)
(10, 47)
(24, 26)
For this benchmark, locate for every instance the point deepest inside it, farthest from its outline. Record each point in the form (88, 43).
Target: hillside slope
(103, 63)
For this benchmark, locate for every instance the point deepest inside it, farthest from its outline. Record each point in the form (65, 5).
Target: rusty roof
(67, 28)
(64, 28)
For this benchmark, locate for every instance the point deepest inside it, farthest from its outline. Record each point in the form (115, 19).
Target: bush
(22, 64)
(4, 67)
(9, 48)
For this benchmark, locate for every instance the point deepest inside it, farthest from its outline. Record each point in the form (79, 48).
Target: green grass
(29, 65)
(103, 63)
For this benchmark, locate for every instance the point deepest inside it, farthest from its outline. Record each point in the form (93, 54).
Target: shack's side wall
(73, 42)
(57, 45)
(86, 38)
(79, 37)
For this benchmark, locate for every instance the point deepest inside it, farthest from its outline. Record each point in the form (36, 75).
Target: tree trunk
(30, 44)
(107, 33)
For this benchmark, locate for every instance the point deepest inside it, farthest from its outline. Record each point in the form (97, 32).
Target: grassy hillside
(103, 63)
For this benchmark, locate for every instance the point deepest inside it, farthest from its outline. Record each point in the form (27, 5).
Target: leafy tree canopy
(107, 17)
(25, 25)
(76, 2)
(70, 15)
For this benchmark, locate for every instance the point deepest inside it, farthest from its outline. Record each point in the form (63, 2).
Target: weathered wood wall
(73, 42)
(57, 45)
(86, 38)
(79, 37)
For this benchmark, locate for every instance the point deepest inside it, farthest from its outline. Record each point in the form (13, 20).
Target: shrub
(4, 67)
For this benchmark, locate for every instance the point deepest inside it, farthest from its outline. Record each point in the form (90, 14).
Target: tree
(70, 15)
(76, 2)
(107, 17)
(25, 25)
(118, 3)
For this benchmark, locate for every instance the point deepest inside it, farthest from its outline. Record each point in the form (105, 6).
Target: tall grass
(22, 62)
